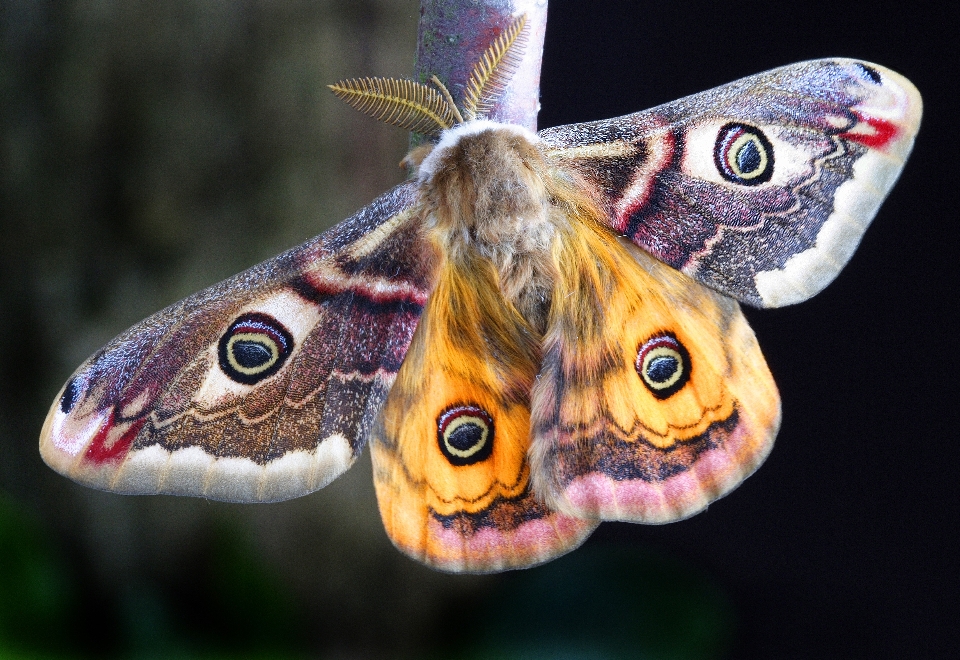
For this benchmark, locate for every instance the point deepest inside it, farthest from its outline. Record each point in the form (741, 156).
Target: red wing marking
(100, 452)
(883, 131)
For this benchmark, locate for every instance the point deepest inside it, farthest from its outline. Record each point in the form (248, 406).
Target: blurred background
(149, 149)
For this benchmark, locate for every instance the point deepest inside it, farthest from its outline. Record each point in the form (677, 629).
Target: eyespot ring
(743, 155)
(254, 348)
(663, 365)
(465, 434)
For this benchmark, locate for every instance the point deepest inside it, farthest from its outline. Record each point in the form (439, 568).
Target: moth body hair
(415, 157)
(498, 209)
(485, 191)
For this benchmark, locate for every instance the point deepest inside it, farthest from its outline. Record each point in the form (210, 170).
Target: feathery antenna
(492, 73)
(402, 103)
(422, 109)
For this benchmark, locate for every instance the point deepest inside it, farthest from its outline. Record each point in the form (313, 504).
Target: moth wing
(760, 189)
(653, 398)
(262, 387)
(450, 451)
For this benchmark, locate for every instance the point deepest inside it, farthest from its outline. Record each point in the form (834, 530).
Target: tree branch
(454, 33)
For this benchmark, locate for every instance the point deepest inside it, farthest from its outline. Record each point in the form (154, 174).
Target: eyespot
(254, 347)
(870, 73)
(664, 365)
(743, 155)
(465, 434)
(70, 395)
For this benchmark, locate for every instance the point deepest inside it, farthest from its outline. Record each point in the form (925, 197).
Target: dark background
(843, 544)
(151, 149)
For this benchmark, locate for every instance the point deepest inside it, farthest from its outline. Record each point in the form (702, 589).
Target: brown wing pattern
(262, 387)
(760, 189)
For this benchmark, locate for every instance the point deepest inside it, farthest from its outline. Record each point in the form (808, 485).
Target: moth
(535, 333)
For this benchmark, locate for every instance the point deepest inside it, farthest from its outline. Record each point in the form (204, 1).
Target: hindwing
(653, 398)
(450, 454)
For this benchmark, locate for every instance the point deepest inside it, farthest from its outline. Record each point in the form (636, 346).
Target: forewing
(260, 388)
(760, 189)
(653, 398)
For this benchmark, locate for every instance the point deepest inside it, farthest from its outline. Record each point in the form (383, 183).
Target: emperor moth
(536, 333)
